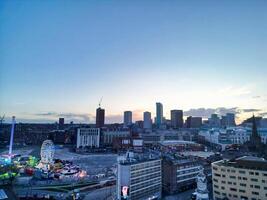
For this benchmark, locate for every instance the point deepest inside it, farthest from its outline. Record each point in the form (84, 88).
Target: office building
(127, 118)
(110, 135)
(214, 121)
(230, 119)
(177, 119)
(147, 120)
(179, 173)
(159, 114)
(88, 137)
(139, 177)
(193, 122)
(241, 178)
(100, 117)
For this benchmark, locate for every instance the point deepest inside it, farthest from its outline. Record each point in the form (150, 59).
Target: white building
(138, 177)
(127, 118)
(234, 135)
(147, 120)
(88, 137)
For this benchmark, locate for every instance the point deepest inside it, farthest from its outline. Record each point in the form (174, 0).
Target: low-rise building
(110, 135)
(241, 178)
(179, 173)
(88, 137)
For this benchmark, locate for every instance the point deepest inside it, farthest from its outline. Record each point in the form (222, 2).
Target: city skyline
(58, 59)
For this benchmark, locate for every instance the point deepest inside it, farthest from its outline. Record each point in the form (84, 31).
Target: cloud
(256, 97)
(263, 114)
(206, 112)
(84, 117)
(113, 118)
(250, 110)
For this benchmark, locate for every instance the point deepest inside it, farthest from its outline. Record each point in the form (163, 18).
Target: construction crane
(100, 101)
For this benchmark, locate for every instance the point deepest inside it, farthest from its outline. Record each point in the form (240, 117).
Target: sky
(58, 58)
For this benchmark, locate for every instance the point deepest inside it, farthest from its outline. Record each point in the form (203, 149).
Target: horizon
(59, 58)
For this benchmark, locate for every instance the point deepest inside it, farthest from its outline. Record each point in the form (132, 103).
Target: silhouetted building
(127, 118)
(214, 121)
(193, 122)
(100, 117)
(177, 119)
(61, 123)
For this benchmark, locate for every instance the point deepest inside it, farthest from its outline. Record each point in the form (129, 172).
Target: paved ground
(103, 193)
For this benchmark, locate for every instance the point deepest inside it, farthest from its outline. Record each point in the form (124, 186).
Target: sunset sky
(58, 58)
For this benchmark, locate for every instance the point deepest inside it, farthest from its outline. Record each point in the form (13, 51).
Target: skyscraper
(147, 120)
(230, 119)
(177, 118)
(127, 118)
(100, 117)
(61, 123)
(159, 114)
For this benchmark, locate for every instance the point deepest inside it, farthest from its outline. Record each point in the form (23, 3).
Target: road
(103, 193)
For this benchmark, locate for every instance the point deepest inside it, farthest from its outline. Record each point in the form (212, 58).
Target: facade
(139, 177)
(242, 178)
(179, 173)
(230, 119)
(193, 122)
(61, 123)
(88, 137)
(214, 121)
(147, 120)
(127, 118)
(100, 117)
(177, 119)
(159, 114)
(109, 136)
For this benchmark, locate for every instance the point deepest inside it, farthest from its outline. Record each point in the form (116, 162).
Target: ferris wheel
(47, 152)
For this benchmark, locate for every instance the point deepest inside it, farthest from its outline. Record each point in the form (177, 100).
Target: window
(242, 191)
(255, 193)
(243, 184)
(254, 180)
(242, 172)
(233, 189)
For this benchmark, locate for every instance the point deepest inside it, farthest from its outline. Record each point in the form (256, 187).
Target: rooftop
(175, 142)
(245, 162)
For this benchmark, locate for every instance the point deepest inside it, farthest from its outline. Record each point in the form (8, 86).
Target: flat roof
(245, 162)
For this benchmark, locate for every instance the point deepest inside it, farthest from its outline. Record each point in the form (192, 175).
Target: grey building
(139, 177)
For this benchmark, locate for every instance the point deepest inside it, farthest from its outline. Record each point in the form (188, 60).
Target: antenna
(100, 101)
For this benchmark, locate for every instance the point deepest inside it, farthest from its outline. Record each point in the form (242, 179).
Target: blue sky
(58, 58)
